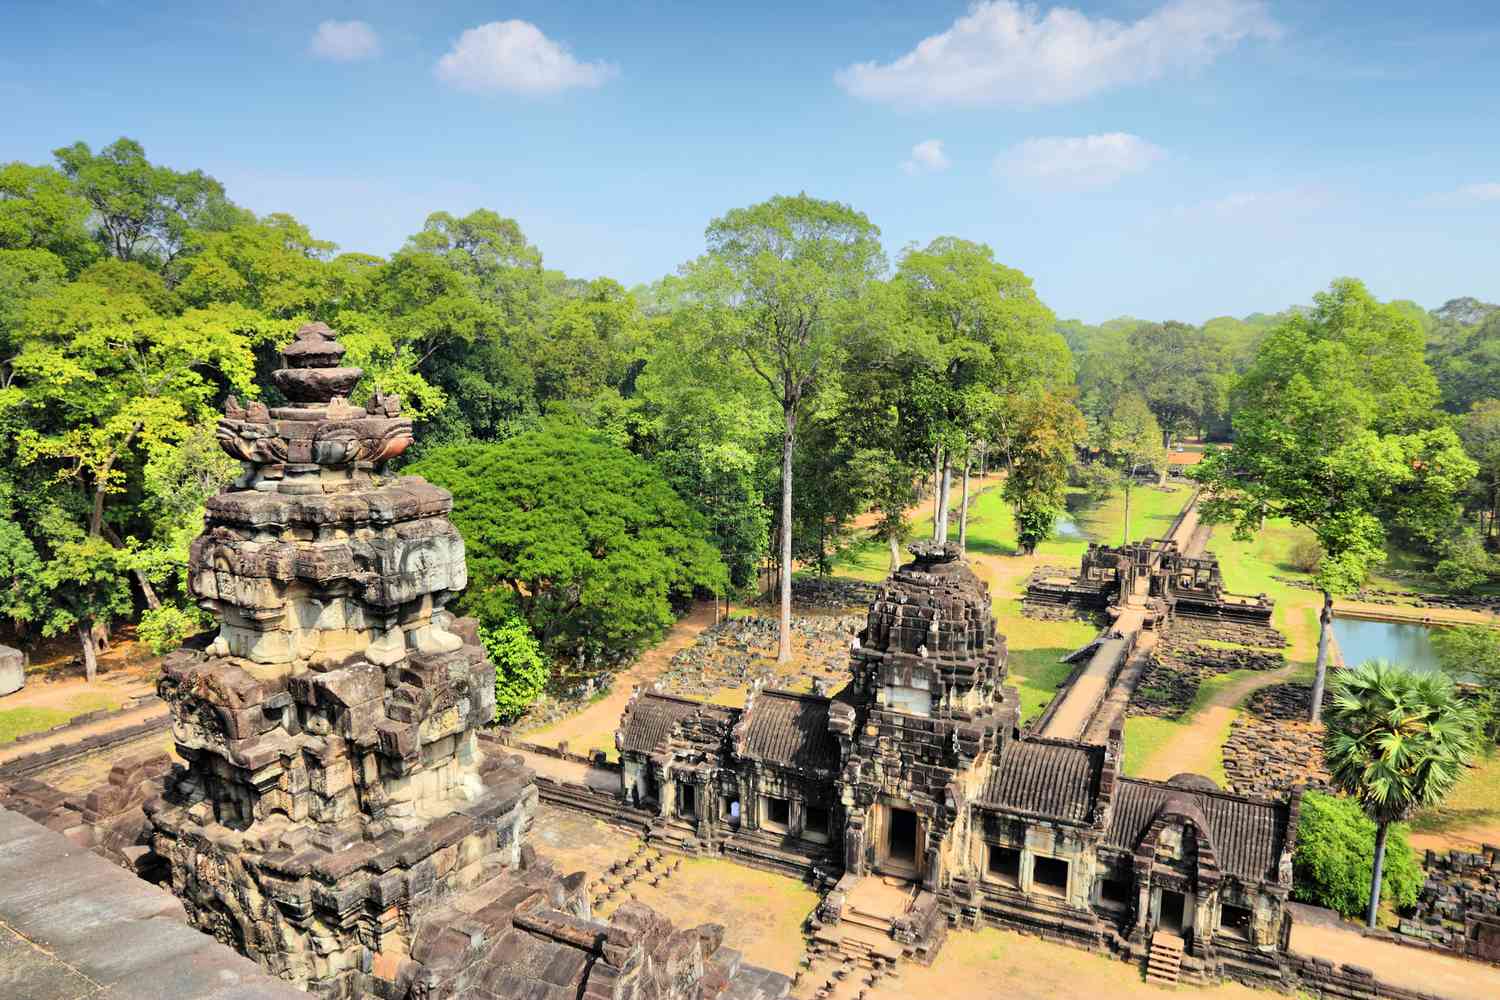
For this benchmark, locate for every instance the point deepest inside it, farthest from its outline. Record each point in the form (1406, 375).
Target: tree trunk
(942, 533)
(147, 591)
(90, 657)
(1126, 539)
(1320, 675)
(937, 493)
(1377, 873)
(96, 517)
(963, 510)
(784, 638)
(984, 454)
(895, 551)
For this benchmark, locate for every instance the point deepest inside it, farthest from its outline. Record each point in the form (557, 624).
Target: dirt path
(1399, 965)
(44, 692)
(1197, 748)
(583, 727)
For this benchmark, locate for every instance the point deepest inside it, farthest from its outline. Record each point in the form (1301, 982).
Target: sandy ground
(984, 964)
(762, 913)
(48, 691)
(1399, 965)
(601, 718)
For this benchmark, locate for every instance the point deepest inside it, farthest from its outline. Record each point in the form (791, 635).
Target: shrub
(1465, 564)
(164, 628)
(1335, 858)
(520, 671)
(578, 538)
(1306, 555)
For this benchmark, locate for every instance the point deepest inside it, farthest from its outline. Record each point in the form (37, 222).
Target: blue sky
(1179, 159)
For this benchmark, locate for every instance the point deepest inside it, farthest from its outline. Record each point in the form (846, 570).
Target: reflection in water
(1066, 527)
(1399, 642)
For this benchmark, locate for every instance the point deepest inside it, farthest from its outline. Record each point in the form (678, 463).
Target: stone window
(1004, 865)
(1234, 921)
(687, 800)
(778, 814)
(815, 824)
(1115, 892)
(1049, 876)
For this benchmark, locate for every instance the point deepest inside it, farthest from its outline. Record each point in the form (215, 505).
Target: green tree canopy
(1334, 861)
(1335, 429)
(578, 537)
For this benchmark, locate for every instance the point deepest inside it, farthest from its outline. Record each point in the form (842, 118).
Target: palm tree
(1396, 740)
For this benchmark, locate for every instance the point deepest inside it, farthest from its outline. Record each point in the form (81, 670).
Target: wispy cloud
(516, 57)
(1009, 54)
(1259, 207)
(1485, 191)
(1077, 163)
(927, 157)
(345, 41)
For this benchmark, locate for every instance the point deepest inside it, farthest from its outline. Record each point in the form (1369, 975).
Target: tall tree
(781, 280)
(39, 211)
(993, 340)
(1335, 429)
(1044, 431)
(1132, 437)
(1174, 368)
(1396, 740)
(1480, 432)
(143, 210)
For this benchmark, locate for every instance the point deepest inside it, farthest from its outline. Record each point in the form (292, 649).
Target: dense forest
(791, 374)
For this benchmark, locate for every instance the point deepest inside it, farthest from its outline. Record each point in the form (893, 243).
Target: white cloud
(345, 41)
(515, 57)
(1260, 207)
(1488, 191)
(1077, 163)
(927, 157)
(1005, 53)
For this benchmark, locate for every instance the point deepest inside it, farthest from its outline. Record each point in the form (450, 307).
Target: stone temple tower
(926, 712)
(339, 818)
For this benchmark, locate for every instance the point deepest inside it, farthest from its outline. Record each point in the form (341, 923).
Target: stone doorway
(1173, 907)
(900, 854)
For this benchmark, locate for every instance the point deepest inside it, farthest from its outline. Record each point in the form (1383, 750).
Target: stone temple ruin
(917, 776)
(1156, 572)
(338, 820)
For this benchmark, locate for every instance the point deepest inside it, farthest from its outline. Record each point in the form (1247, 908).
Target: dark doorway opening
(902, 843)
(1171, 911)
(687, 800)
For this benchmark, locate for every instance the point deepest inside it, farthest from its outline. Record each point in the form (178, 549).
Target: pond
(1067, 528)
(1400, 642)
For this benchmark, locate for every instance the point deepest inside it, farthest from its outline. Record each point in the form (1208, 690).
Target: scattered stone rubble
(833, 592)
(1179, 667)
(1272, 748)
(1458, 909)
(741, 652)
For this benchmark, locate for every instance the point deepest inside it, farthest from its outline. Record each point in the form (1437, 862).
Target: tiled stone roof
(1046, 778)
(1247, 834)
(651, 718)
(790, 730)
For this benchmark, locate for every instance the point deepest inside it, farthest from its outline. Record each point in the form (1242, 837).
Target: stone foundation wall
(1179, 665)
(1458, 909)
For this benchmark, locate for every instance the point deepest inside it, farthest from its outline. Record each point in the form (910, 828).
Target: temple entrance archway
(1172, 914)
(900, 851)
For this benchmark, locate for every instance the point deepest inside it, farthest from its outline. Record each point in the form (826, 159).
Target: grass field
(17, 722)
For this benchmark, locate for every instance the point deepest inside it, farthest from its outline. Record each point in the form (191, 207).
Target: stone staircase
(1164, 963)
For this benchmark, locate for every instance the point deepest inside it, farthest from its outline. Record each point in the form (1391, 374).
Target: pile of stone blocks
(1458, 908)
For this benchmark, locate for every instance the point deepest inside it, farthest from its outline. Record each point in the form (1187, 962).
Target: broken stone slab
(12, 670)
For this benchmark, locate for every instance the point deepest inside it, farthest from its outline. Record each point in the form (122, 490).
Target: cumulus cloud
(345, 41)
(1487, 191)
(927, 157)
(1077, 163)
(515, 57)
(1008, 54)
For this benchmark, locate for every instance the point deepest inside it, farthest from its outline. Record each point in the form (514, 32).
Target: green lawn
(1145, 735)
(17, 722)
(1035, 647)
(1474, 802)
